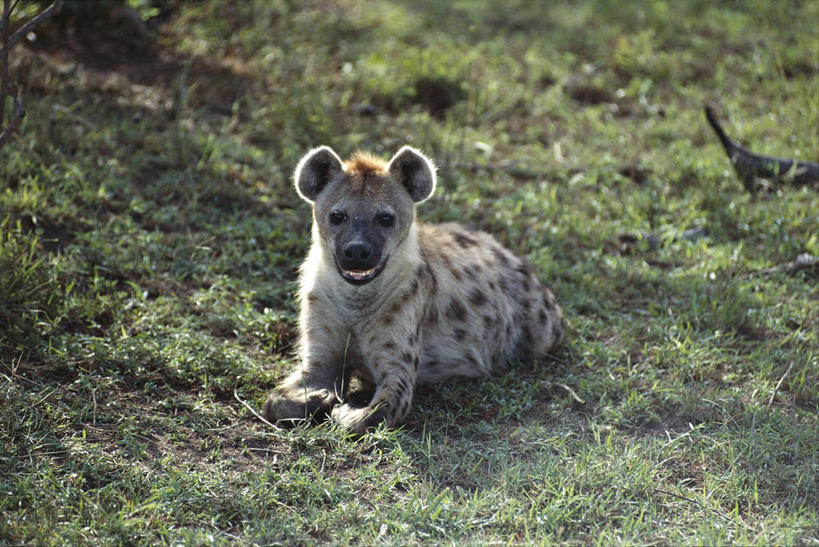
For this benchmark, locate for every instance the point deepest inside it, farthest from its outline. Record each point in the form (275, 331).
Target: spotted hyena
(397, 301)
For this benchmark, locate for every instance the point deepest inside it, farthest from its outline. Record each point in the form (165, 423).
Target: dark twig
(750, 167)
(14, 5)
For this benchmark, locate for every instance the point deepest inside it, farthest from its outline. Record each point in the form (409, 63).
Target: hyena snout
(359, 260)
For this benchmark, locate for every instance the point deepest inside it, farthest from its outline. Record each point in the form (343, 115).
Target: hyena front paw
(358, 418)
(288, 409)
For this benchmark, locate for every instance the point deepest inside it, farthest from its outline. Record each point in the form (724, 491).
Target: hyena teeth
(356, 274)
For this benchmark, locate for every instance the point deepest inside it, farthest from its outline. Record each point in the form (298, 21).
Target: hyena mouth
(360, 277)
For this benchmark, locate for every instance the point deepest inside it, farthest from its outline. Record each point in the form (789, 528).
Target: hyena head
(363, 208)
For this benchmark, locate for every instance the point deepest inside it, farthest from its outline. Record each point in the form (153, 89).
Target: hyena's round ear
(415, 171)
(318, 167)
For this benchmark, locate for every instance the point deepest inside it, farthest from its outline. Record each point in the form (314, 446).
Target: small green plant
(29, 298)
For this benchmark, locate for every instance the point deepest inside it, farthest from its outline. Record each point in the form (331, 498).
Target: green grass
(150, 236)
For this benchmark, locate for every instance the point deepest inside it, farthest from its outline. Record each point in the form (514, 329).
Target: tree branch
(9, 40)
(13, 7)
(5, 22)
(25, 29)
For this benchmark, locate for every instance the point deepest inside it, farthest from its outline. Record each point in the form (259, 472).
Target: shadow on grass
(689, 418)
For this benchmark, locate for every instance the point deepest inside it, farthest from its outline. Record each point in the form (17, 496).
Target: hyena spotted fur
(397, 301)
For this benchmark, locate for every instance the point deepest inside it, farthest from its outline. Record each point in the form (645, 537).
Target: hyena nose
(357, 256)
(357, 251)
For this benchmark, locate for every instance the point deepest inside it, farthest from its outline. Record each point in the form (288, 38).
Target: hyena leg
(312, 389)
(394, 372)
(390, 404)
(393, 357)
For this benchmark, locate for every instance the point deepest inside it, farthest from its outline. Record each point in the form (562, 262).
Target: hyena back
(398, 301)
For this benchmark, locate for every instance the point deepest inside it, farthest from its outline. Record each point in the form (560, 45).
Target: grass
(150, 236)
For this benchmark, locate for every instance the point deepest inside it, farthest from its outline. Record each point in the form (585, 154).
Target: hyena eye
(337, 217)
(385, 219)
